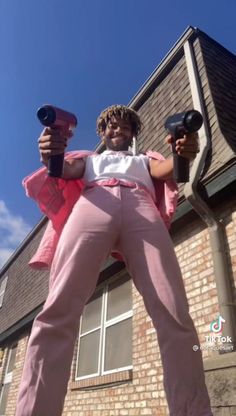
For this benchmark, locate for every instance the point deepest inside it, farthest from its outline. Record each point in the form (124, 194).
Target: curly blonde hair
(121, 111)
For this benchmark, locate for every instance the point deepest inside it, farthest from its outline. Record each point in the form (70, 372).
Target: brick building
(116, 368)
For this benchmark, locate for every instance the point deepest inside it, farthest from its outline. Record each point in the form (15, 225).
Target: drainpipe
(134, 147)
(215, 225)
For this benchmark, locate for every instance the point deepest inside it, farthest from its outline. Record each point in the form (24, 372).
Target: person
(115, 209)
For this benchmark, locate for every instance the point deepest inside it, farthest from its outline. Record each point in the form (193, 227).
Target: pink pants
(127, 220)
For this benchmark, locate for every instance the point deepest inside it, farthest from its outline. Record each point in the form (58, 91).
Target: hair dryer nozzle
(49, 115)
(193, 121)
(46, 115)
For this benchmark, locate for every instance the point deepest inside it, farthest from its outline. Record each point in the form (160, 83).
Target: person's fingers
(51, 144)
(187, 155)
(51, 152)
(188, 146)
(188, 152)
(57, 131)
(55, 145)
(169, 139)
(187, 143)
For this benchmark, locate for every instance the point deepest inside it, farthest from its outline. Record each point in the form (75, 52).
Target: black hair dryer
(51, 116)
(178, 125)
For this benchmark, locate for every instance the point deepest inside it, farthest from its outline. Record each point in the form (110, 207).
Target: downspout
(215, 226)
(134, 148)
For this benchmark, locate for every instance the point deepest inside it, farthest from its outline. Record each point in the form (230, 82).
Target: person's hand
(187, 146)
(52, 141)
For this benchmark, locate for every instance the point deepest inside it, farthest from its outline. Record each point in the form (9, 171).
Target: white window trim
(3, 286)
(7, 376)
(102, 327)
(77, 361)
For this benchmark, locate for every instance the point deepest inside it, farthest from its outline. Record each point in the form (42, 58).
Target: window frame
(103, 326)
(8, 376)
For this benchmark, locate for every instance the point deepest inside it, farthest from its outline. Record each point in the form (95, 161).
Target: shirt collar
(113, 152)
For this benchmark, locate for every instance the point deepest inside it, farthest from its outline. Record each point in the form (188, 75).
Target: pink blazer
(56, 198)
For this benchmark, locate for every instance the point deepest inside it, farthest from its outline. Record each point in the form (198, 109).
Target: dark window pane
(88, 354)
(91, 317)
(119, 297)
(118, 345)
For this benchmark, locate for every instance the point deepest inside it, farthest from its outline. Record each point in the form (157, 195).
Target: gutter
(214, 224)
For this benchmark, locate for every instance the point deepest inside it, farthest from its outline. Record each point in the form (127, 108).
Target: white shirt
(119, 165)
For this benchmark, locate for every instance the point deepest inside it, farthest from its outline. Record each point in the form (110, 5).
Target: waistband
(116, 182)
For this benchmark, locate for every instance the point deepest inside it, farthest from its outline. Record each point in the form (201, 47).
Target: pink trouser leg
(151, 261)
(90, 231)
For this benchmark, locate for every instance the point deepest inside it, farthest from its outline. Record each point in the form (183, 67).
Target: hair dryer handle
(181, 166)
(55, 165)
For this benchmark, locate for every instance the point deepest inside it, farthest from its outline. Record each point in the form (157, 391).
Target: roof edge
(24, 243)
(187, 34)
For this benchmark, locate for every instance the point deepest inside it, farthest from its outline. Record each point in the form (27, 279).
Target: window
(105, 339)
(7, 379)
(1, 356)
(3, 286)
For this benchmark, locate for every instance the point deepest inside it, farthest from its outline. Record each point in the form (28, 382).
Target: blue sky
(82, 56)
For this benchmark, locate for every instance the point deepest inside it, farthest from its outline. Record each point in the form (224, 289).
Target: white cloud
(13, 229)
(5, 253)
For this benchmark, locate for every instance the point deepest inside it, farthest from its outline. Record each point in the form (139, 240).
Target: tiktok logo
(217, 342)
(216, 326)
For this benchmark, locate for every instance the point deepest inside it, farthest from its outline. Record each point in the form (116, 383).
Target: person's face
(118, 134)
